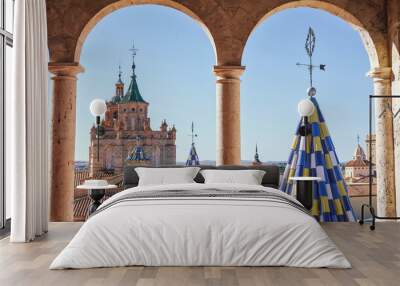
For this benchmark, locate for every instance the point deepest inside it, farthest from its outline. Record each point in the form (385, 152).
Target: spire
(193, 134)
(317, 157)
(256, 158)
(193, 158)
(119, 75)
(133, 50)
(119, 88)
(133, 93)
(359, 151)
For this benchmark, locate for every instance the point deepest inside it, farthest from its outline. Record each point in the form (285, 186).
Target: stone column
(393, 12)
(228, 114)
(386, 200)
(63, 140)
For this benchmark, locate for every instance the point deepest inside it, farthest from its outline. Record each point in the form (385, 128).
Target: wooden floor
(375, 257)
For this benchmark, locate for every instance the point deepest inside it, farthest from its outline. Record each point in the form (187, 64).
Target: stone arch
(373, 37)
(91, 23)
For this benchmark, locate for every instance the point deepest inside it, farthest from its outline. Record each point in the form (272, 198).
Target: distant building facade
(356, 173)
(359, 166)
(126, 136)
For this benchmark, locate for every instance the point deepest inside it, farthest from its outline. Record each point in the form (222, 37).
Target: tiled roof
(133, 93)
(359, 158)
(80, 176)
(359, 162)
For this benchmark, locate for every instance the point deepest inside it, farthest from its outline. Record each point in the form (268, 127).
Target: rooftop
(359, 158)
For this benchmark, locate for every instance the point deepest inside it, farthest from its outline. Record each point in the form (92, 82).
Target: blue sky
(174, 72)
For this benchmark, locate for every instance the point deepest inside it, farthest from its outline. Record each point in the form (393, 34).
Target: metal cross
(193, 134)
(310, 45)
(133, 49)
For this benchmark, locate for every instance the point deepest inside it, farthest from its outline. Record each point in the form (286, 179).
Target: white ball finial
(305, 107)
(98, 107)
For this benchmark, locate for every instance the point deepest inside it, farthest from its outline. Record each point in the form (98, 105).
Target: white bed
(202, 231)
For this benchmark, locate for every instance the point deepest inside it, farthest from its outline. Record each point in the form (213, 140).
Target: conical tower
(133, 93)
(317, 157)
(193, 158)
(313, 154)
(256, 161)
(119, 88)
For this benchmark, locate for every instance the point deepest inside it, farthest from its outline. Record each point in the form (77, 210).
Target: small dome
(359, 153)
(359, 159)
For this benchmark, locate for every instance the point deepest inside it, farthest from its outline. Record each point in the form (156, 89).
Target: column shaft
(63, 140)
(386, 201)
(228, 114)
(393, 11)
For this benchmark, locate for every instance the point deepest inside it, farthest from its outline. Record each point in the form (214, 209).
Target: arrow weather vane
(310, 45)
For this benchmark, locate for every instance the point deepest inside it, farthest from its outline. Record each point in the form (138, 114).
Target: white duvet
(200, 231)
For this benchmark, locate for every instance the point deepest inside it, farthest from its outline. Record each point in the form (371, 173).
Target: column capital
(65, 69)
(380, 74)
(229, 72)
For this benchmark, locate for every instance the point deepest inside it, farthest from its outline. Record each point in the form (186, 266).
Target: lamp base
(304, 193)
(96, 195)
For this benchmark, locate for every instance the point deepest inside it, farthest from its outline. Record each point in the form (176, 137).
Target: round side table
(96, 193)
(304, 190)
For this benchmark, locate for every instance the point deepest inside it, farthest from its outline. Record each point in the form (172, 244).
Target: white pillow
(166, 176)
(248, 177)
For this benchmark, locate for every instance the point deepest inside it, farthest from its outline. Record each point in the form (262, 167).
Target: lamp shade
(305, 107)
(98, 107)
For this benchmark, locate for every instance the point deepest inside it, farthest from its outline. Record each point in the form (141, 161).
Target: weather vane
(310, 46)
(193, 134)
(133, 49)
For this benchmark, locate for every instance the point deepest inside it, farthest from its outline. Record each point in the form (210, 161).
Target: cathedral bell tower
(119, 88)
(125, 121)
